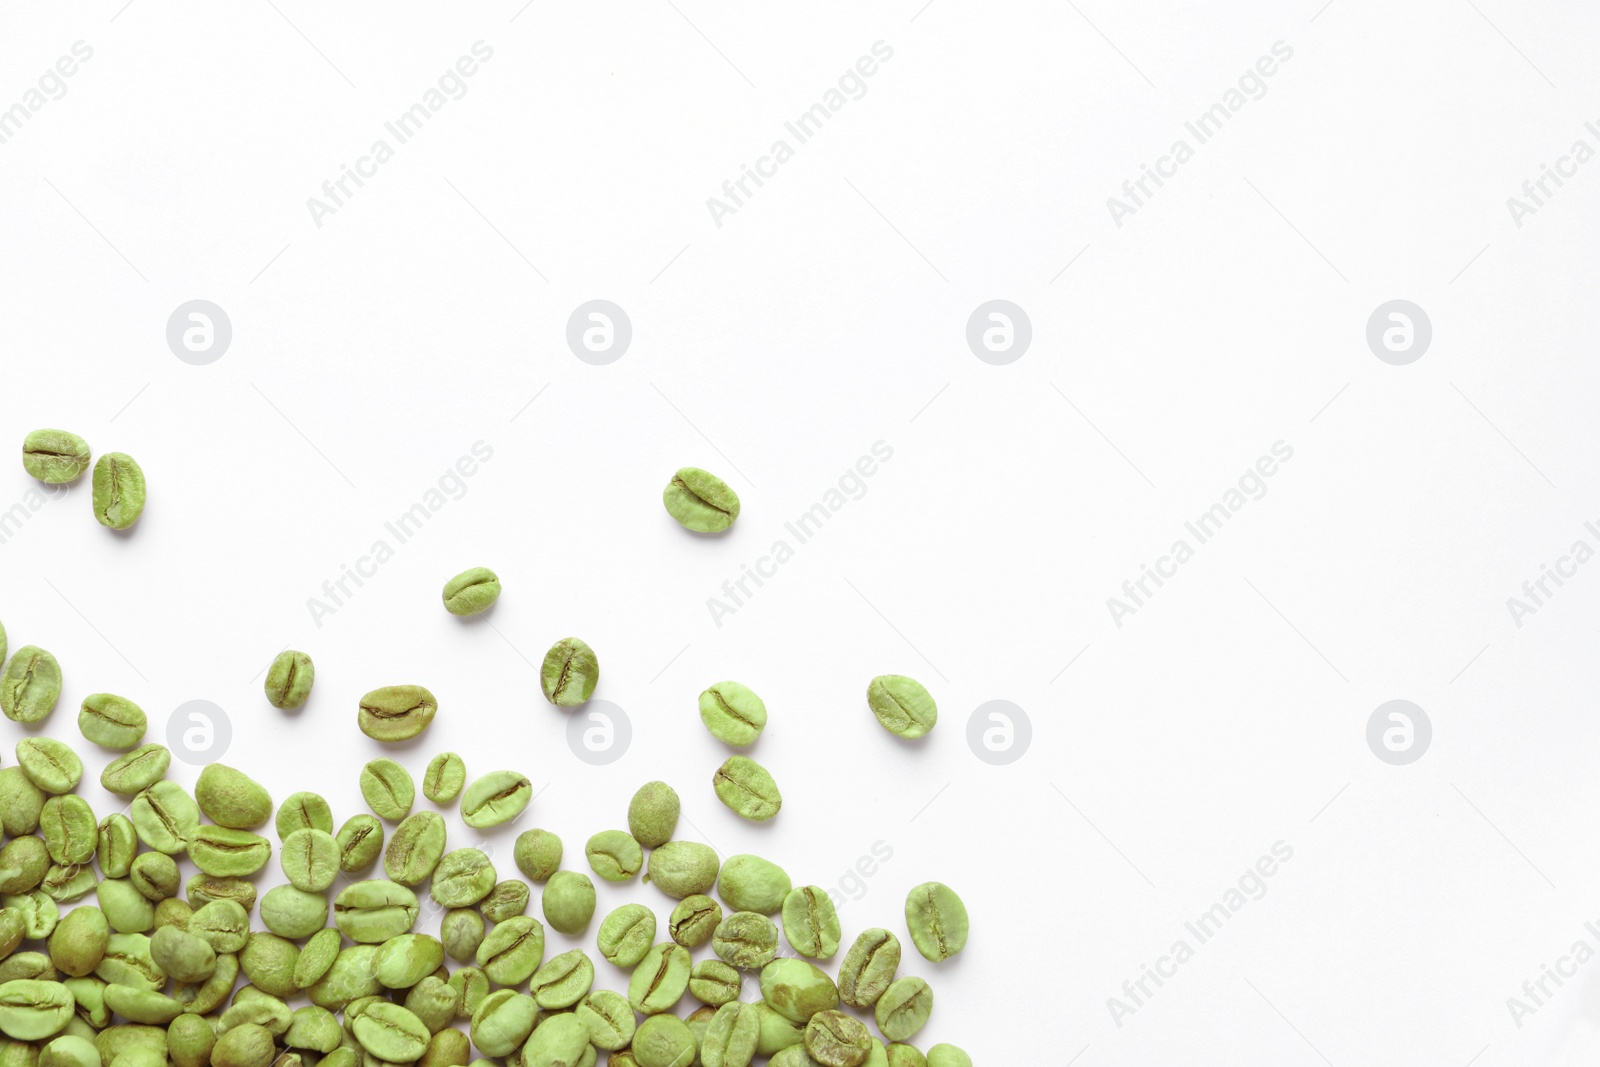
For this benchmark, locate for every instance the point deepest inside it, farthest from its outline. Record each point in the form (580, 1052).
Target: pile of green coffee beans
(150, 973)
(57, 457)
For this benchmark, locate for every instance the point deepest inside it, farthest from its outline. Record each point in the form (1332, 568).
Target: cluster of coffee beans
(57, 457)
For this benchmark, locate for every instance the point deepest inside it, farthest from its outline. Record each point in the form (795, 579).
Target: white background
(828, 314)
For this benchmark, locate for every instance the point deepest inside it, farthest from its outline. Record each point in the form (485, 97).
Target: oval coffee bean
(937, 920)
(730, 1040)
(562, 981)
(289, 679)
(303, 811)
(496, 798)
(136, 771)
(471, 591)
(224, 852)
(626, 934)
(747, 789)
(715, 982)
(396, 712)
(119, 491)
(750, 883)
(700, 501)
(444, 778)
(568, 902)
(614, 855)
(55, 457)
(902, 705)
(660, 979)
(868, 968)
(683, 868)
(388, 789)
(694, 920)
(49, 764)
(569, 673)
(32, 1010)
(904, 1009)
(30, 685)
(310, 860)
(797, 990)
(733, 713)
(653, 814)
(111, 721)
(415, 849)
(609, 1018)
(462, 878)
(232, 798)
(834, 1039)
(371, 912)
(512, 951)
(810, 923)
(360, 843)
(746, 939)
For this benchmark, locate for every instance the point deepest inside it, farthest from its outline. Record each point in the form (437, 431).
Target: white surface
(980, 558)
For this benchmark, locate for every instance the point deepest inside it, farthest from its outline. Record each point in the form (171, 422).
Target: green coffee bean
(660, 979)
(89, 992)
(810, 922)
(506, 899)
(111, 721)
(222, 924)
(190, 1039)
(471, 591)
(776, 1032)
(136, 771)
(205, 997)
(350, 977)
(360, 843)
(20, 802)
(165, 817)
(502, 1022)
(396, 712)
(898, 1055)
(23, 863)
(55, 457)
(937, 920)
(406, 959)
(33, 1010)
(903, 706)
(78, 942)
(653, 814)
(614, 855)
(462, 878)
(569, 673)
(374, 911)
(203, 889)
(118, 490)
(414, 851)
(562, 980)
(142, 1006)
(558, 1040)
(303, 811)
(700, 501)
(694, 920)
(32, 966)
(224, 852)
(733, 713)
(155, 875)
(247, 1045)
(39, 912)
(316, 957)
(537, 853)
(173, 911)
(750, 883)
(445, 777)
(904, 1008)
(66, 882)
(310, 860)
(512, 951)
(114, 1041)
(434, 1002)
(472, 986)
(127, 961)
(289, 679)
(715, 982)
(797, 990)
(69, 1050)
(126, 909)
(268, 961)
(388, 789)
(626, 934)
(948, 1056)
(663, 1041)
(730, 1040)
(30, 685)
(293, 913)
(232, 798)
(683, 868)
(868, 968)
(461, 930)
(448, 1048)
(313, 1028)
(251, 1005)
(496, 798)
(835, 1039)
(746, 939)
(608, 1018)
(794, 1056)
(67, 823)
(747, 789)
(568, 901)
(49, 764)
